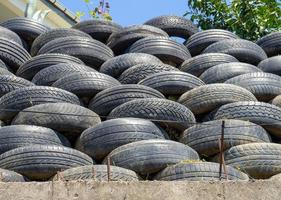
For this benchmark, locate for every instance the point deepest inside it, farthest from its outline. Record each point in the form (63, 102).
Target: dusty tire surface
(99, 141)
(10, 35)
(271, 65)
(150, 156)
(11, 176)
(271, 43)
(41, 162)
(206, 98)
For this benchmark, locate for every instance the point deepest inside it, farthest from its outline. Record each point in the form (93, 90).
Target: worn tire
(199, 171)
(41, 162)
(86, 84)
(277, 101)
(165, 112)
(97, 173)
(271, 43)
(14, 136)
(223, 72)
(37, 63)
(116, 66)
(99, 141)
(48, 76)
(53, 34)
(92, 52)
(243, 50)
(264, 86)
(206, 98)
(167, 50)
(264, 114)
(10, 35)
(4, 71)
(174, 25)
(10, 176)
(68, 119)
(120, 41)
(15, 101)
(9, 83)
(98, 29)
(27, 29)
(198, 64)
(172, 82)
(204, 138)
(271, 65)
(201, 40)
(135, 74)
(105, 101)
(258, 160)
(150, 156)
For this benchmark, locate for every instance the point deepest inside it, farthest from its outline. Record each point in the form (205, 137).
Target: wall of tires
(104, 102)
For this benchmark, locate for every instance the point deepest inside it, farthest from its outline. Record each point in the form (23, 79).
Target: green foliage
(249, 19)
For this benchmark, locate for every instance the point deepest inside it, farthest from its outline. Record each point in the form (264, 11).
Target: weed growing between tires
(109, 103)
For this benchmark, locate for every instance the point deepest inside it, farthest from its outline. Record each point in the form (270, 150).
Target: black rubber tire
(201, 40)
(198, 64)
(150, 156)
(98, 29)
(116, 66)
(120, 41)
(167, 50)
(10, 176)
(12, 137)
(12, 54)
(69, 119)
(243, 50)
(86, 84)
(223, 72)
(3, 65)
(15, 101)
(37, 63)
(41, 162)
(105, 101)
(204, 138)
(4, 71)
(92, 52)
(10, 35)
(207, 98)
(264, 86)
(264, 114)
(271, 65)
(271, 43)
(258, 160)
(172, 82)
(27, 29)
(9, 83)
(174, 25)
(97, 173)
(200, 171)
(53, 34)
(135, 74)
(165, 112)
(50, 75)
(99, 141)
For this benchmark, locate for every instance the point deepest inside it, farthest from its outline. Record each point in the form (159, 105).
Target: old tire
(116, 66)
(10, 35)
(204, 138)
(37, 63)
(41, 162)
(271, 65)
(207, 98)
(165, 112)
(17, 100)
(139, 72)
(150, 156)
(68, 119)
(264, 114)
(10, 176)
(198, 64)
(99, 141)
(223, 72)
(243, 50)
(264, 86)
(271, 43)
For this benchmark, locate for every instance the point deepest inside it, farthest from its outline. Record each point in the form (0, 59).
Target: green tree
(249, 19)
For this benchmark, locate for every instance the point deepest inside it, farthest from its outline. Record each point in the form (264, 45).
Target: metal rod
(221, 145)
(108, 169)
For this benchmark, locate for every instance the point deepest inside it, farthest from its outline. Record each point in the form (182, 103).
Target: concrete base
(80, 190)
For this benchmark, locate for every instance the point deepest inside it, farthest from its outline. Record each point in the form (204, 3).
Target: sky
(132, 12)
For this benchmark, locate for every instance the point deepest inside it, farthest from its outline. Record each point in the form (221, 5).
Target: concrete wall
(141, 190)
